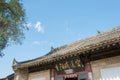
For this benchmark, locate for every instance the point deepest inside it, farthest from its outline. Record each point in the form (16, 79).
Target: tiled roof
(103, 38)
(9, 76)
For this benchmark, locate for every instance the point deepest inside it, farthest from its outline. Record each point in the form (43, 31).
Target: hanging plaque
(69, 66)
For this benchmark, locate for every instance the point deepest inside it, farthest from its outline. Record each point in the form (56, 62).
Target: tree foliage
(12, 23)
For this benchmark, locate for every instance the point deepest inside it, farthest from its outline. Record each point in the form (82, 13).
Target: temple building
(93, 58)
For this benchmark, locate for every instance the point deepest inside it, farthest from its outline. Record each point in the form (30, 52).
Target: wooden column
(52, 73)
(89, 71)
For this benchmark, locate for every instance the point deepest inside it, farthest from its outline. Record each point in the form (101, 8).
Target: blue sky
(59, 22)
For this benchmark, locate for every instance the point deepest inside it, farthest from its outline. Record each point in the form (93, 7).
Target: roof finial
(98, 31)
(52, 48)
(15, 62)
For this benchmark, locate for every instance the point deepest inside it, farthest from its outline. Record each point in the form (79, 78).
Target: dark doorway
(75, 78)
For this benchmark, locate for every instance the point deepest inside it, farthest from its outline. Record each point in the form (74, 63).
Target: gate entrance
(74, 78)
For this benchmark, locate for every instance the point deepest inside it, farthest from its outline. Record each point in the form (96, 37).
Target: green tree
(12, 23)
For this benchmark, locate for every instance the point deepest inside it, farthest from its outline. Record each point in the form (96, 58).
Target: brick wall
(42, 75)
(102, 64)
(21, 74)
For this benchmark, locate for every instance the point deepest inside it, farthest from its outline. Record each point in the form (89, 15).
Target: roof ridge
(95, 35)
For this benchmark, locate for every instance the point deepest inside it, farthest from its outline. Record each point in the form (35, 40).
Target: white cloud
(38, 27)
(36, 43)
(42, 43)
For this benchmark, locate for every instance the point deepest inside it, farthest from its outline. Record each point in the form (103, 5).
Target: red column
(52, 74)
(89, 71)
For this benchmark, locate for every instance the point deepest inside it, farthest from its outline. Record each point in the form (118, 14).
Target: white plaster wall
(41, 75)
(103, 64)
